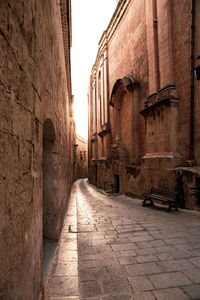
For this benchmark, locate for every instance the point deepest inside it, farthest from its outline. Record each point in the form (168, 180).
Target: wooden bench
(161, 195)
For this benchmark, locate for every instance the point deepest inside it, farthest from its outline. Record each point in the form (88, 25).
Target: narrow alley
(109, 91)
(112, 248)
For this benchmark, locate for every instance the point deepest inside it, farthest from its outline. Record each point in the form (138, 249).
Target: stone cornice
(165, 96)
(113, 24)
(105, 129)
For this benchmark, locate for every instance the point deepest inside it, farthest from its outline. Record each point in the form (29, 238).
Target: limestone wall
(33, 89)
(81, 158)
(148, 51)
(197, 85)
(127, 55)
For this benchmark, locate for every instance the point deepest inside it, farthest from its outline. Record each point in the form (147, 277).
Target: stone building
(36, 138)
(80, 158)
(144, 108)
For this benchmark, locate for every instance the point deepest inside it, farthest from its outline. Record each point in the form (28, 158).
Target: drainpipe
(192, 83)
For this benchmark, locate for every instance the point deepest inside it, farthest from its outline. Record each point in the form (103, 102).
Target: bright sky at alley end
(89, 19)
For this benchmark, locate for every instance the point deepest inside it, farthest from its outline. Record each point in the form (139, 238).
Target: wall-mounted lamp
(197, 71)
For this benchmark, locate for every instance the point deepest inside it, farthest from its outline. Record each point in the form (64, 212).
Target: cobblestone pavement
(112, 248)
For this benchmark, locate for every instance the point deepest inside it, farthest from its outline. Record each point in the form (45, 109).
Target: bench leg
(172, 206)
(147, 198)
(144, 202)
(169, 207)
(175, 206)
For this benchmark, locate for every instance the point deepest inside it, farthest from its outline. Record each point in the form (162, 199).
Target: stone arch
(122, 102)
(49, 180)
(127, 83)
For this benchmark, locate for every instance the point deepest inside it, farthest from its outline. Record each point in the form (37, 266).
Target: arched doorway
(124, 101)
(49, 180)
(49, 199)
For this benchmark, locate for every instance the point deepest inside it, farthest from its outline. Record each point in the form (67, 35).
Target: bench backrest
(163, 192)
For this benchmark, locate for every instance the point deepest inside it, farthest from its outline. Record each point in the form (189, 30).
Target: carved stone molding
(165, 96)
(94, 137)
(105, 128)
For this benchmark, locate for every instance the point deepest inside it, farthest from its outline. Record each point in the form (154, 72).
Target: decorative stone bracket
(94, 137)
(105, 129)
(163, 97)
(161, 120)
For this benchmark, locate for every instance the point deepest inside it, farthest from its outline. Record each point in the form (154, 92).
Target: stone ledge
(165, 96)
(165, 155)
(194, 169)
(105, 128)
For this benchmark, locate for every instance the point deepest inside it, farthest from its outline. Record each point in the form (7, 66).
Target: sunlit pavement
(112, 248)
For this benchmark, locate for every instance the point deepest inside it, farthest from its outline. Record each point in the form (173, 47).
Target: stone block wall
(33, 84)
(151, 49)
(81, 158)
(182, 68)
(197, 85)
(127, 55)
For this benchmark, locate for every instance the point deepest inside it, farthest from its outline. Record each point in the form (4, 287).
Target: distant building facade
(80, 158)
(36, 128)
(144, 100)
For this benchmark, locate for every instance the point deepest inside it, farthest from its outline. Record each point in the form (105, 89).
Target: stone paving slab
(175, 265)
(193, 275)
(143, 296)
(122, 297)
(64, 286)
(116, 287)
(146, 258)
(67, 269)
(141, 283)
(167, 280)
(193, 291)
(143, 269)
(170, 294)
(65, 298)
(90, 289)
(122, 251)
(92, 274)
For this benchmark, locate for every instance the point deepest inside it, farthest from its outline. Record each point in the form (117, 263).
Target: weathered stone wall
(148, 49)
(127, 55)
(182, 67)
(197, 85)
(81, 158)
(33, 89)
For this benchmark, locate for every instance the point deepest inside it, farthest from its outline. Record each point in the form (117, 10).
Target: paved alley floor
(112, 248)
